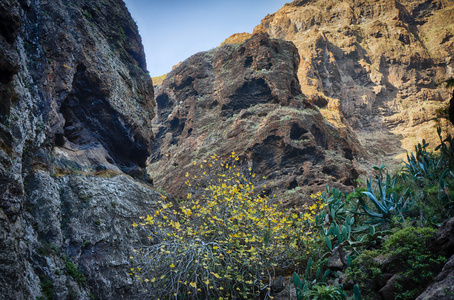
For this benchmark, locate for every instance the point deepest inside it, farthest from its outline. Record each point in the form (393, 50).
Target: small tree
(224, 241)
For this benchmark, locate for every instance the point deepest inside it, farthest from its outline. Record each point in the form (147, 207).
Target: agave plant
(305, 284)
(326, 292)
(336, 224)
(423, 164)
(436, 170)
(307, 289)
(387, 203)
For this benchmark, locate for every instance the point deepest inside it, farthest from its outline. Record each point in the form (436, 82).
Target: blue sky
(173, 30)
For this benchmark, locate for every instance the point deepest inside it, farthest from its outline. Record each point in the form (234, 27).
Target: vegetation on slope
(236, 38)
(158, 79)
(229, 240)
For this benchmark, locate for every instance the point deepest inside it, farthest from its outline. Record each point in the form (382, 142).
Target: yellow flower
(134, 224)
(193, 284)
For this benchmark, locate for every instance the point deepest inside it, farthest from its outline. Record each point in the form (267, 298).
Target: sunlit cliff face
(378, 64)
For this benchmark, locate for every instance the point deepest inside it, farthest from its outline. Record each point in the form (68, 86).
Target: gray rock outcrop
(76, 105)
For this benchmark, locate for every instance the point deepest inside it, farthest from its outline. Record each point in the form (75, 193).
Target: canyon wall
(246, 98)
(377, 63)
(76, 105)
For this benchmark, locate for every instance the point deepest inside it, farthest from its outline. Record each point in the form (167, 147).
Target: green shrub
(407, 253)
(411, 249)
(47, 288)
(366, 271)
(75, 272)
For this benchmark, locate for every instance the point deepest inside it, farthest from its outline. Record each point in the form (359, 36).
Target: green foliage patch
(75, 272)
(406, 253)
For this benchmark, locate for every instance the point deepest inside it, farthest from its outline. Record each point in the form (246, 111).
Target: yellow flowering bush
(225, 241)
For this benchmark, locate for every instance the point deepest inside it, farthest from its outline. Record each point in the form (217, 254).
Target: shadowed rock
(75, 101)
(245, 98)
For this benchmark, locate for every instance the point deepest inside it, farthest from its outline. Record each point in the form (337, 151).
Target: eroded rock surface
(375, 62)
(84, 61)
(245, 98)
(75, 100)
(85, 221)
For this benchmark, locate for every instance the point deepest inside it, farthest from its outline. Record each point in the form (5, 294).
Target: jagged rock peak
(245, 97)
(236, 38)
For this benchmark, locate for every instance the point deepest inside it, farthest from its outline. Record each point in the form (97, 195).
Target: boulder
(443, 286)
(444, 238)
(387, 292)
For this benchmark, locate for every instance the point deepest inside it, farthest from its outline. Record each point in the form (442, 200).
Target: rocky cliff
(77, 116)
(246, 98)
(377, 63)
(76, 105)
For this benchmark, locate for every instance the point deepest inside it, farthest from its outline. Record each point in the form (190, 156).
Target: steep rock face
(378, 62)
(246, 98)
(85, 221)
(81, 57)
(75, 100)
